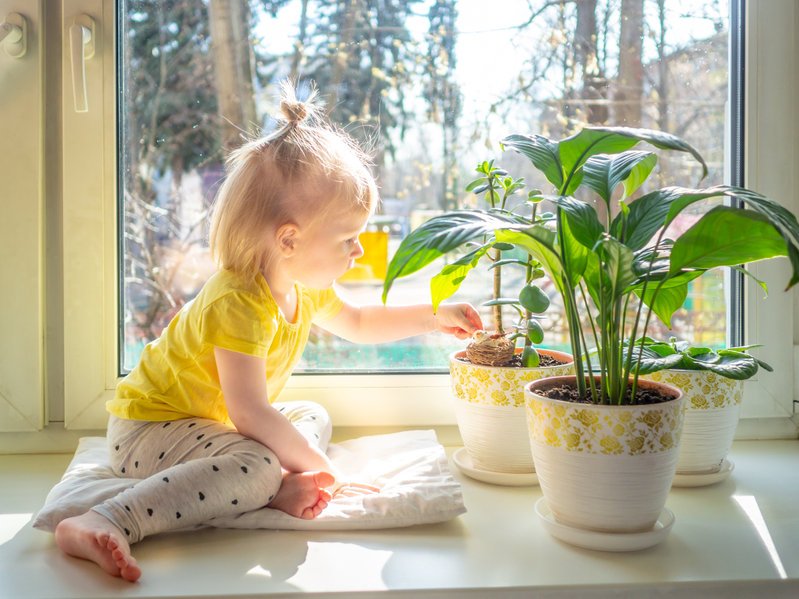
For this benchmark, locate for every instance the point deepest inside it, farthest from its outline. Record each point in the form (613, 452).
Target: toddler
(196, 420)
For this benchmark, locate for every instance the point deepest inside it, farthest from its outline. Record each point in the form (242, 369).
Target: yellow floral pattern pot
(604, 468)
(500, 385)
(489, 407)
(712, 410)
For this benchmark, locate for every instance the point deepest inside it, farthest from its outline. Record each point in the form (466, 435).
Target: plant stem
(496, 310)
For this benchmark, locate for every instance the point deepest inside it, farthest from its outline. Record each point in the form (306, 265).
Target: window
(433, 86)
(69, 294)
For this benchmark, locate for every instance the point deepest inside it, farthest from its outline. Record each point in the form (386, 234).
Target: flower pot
(489, 407)
(712, 409)
(601, 468)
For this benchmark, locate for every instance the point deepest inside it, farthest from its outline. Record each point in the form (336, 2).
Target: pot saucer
(605, 541)
(464, 463)
(702, 479)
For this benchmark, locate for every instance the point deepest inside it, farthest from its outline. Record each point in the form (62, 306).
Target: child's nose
(357, 250)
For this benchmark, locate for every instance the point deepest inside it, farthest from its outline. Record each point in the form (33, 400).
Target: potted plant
(487, 379)
(605, 444)
(712, 382)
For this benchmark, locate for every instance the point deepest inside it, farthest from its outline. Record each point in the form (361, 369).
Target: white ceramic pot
(604, 468)
(712, 410)
(489, 407)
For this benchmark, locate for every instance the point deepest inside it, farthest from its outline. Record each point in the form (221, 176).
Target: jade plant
(497, 189)
(614, 267)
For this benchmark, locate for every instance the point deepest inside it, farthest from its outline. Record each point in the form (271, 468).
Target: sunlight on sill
(259, 571)
(749, 505)
(11, 524)
(333, 563)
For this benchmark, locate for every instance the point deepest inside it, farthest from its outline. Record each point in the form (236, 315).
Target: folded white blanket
(416, 487)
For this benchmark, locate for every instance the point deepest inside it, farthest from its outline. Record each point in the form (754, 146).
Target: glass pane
(431, 86)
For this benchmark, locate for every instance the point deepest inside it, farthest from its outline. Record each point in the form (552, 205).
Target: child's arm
(378, 324)
(244, 387)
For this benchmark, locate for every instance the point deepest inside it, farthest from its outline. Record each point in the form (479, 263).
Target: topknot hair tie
(295, 112)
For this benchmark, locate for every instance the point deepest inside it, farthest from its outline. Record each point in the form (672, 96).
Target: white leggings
(195, 469)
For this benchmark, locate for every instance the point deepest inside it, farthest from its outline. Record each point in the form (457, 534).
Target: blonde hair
(301, 172)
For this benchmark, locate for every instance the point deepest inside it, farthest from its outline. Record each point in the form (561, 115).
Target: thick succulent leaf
(448, 281)
(727, 363)
(583, 220)
(441, 235)
(726, 237)
(603, 172)
(542, 152)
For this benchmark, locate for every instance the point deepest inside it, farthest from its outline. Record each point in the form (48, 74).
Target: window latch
(14, 35)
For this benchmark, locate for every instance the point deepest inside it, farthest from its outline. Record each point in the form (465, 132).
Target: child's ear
(287, 236)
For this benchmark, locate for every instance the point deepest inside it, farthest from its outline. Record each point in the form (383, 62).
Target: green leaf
(439, 236)
(665, 302)
(503, 247)
(646, 216)
(651, 362)
(729, 364)
(539, 242)
(583, 221)
(533, 298)
(448, 281)
(542, 152)
(726, 237)
(534, 331)
(639, 173)
(616, 265)
(575, 254)
(475, 183)
(530, 357)
(603, 173)
(613, 140)
(784, 221)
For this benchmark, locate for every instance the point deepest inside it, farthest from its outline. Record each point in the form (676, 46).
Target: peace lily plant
(605, 444)
(600, 262)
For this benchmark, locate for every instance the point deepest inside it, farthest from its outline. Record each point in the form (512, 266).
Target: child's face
(328, 248)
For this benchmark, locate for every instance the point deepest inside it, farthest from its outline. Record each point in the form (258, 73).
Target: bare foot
(93, 537)
(303, 494)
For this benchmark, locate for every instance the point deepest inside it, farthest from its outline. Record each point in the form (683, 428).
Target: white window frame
(84, 376)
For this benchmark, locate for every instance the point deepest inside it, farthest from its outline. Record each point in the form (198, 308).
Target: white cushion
(410, 467)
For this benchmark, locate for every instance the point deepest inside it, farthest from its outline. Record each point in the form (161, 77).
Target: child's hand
(460, 320)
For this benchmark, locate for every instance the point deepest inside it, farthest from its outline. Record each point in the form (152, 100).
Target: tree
(442, 93)
(230, 43)
(630, 80)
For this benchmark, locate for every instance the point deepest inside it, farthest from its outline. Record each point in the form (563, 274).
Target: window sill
(498, 548)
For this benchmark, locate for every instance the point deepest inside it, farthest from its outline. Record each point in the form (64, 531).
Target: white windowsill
(498, 548)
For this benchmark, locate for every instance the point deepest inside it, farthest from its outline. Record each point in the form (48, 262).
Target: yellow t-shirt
(176, 376)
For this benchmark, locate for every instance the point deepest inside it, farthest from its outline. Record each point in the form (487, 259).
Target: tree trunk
(232, 68)
(299, 44)
(595, 85)
(630, 82)
(351, 8)
(663, 71)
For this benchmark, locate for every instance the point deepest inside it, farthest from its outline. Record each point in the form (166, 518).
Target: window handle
(14, 35)
(81, 46)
